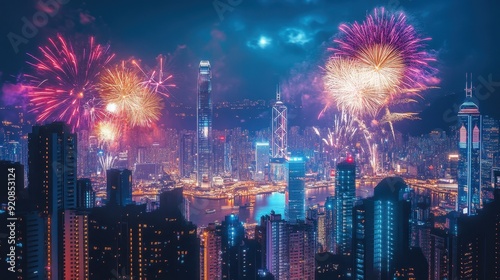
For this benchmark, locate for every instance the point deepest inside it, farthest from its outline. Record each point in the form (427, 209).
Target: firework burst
(127, 98)
(157, 78)
(390, 47)
(375, 63)
(64, 84)
(108, 131)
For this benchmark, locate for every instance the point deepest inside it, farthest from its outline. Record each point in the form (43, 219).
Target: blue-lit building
(295, 191)
(345, 194)
(232, 235)
(85, 195)
(204, 112)
(329, 223)
(381, 242)
(276, 244)
(261, 160)
(469, 164)
(119, 187)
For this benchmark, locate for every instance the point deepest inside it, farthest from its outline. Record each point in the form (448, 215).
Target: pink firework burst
(63, 85)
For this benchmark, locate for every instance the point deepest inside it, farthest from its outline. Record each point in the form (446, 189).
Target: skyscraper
(329, 223)
(490, 147)
(119, 187)
(295, 191)
(187, 154)
(52, 186)
(85, 195)
(261, 160)
(75, 238)
(345, 194)
(204, 111)
(469, 165)
(232, 234)
(210, 255)
(301, 251)
(279, 139)
(381, 242)
(276, 246)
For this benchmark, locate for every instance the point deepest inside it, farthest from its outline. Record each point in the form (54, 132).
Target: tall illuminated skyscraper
(261, 160)
(469, 164)
(279, 139)
(204, 111)
(381, 243)
(295, 191)
(345, 194)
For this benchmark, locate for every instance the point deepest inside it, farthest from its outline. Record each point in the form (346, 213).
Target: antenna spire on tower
(278, 92)
(468, 87)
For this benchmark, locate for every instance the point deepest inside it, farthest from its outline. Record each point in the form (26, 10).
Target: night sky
(257, 43)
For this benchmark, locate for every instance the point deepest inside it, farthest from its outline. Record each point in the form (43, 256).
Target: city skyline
(249, 140)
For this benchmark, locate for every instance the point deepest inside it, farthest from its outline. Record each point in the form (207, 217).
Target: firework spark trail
(157, 78)
(341, 135)
(127, 97)
(64, 85)
(106, 162)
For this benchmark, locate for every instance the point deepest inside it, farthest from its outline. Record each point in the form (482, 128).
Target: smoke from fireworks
(63, 86)
(126, 97)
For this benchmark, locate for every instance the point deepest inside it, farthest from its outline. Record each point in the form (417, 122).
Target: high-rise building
(329, 223)
(204, 111)
(381, 243)
(85, 195)
(75, 239)
(295, 191)
(232, 235)
(211, 253)
(469, 147)
(301, 251)
(279, 139)
(261, 160)
(219, 144)
(174, 205)
(119, 187)
(130, 243)
(490, 149)
(345, 194)
(277, 262)
(52, 186)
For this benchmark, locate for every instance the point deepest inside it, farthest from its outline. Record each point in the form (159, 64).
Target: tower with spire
(279, 138)
(469, 146)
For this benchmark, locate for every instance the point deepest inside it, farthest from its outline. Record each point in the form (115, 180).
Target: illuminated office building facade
(204, 112)
(295, 191)
(469, 164)
(345, 194)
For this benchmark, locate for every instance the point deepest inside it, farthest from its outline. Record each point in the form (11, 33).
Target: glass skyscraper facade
(295, 191)
(261, 160)
(345, 194)
(204, 111)
(469, 164)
